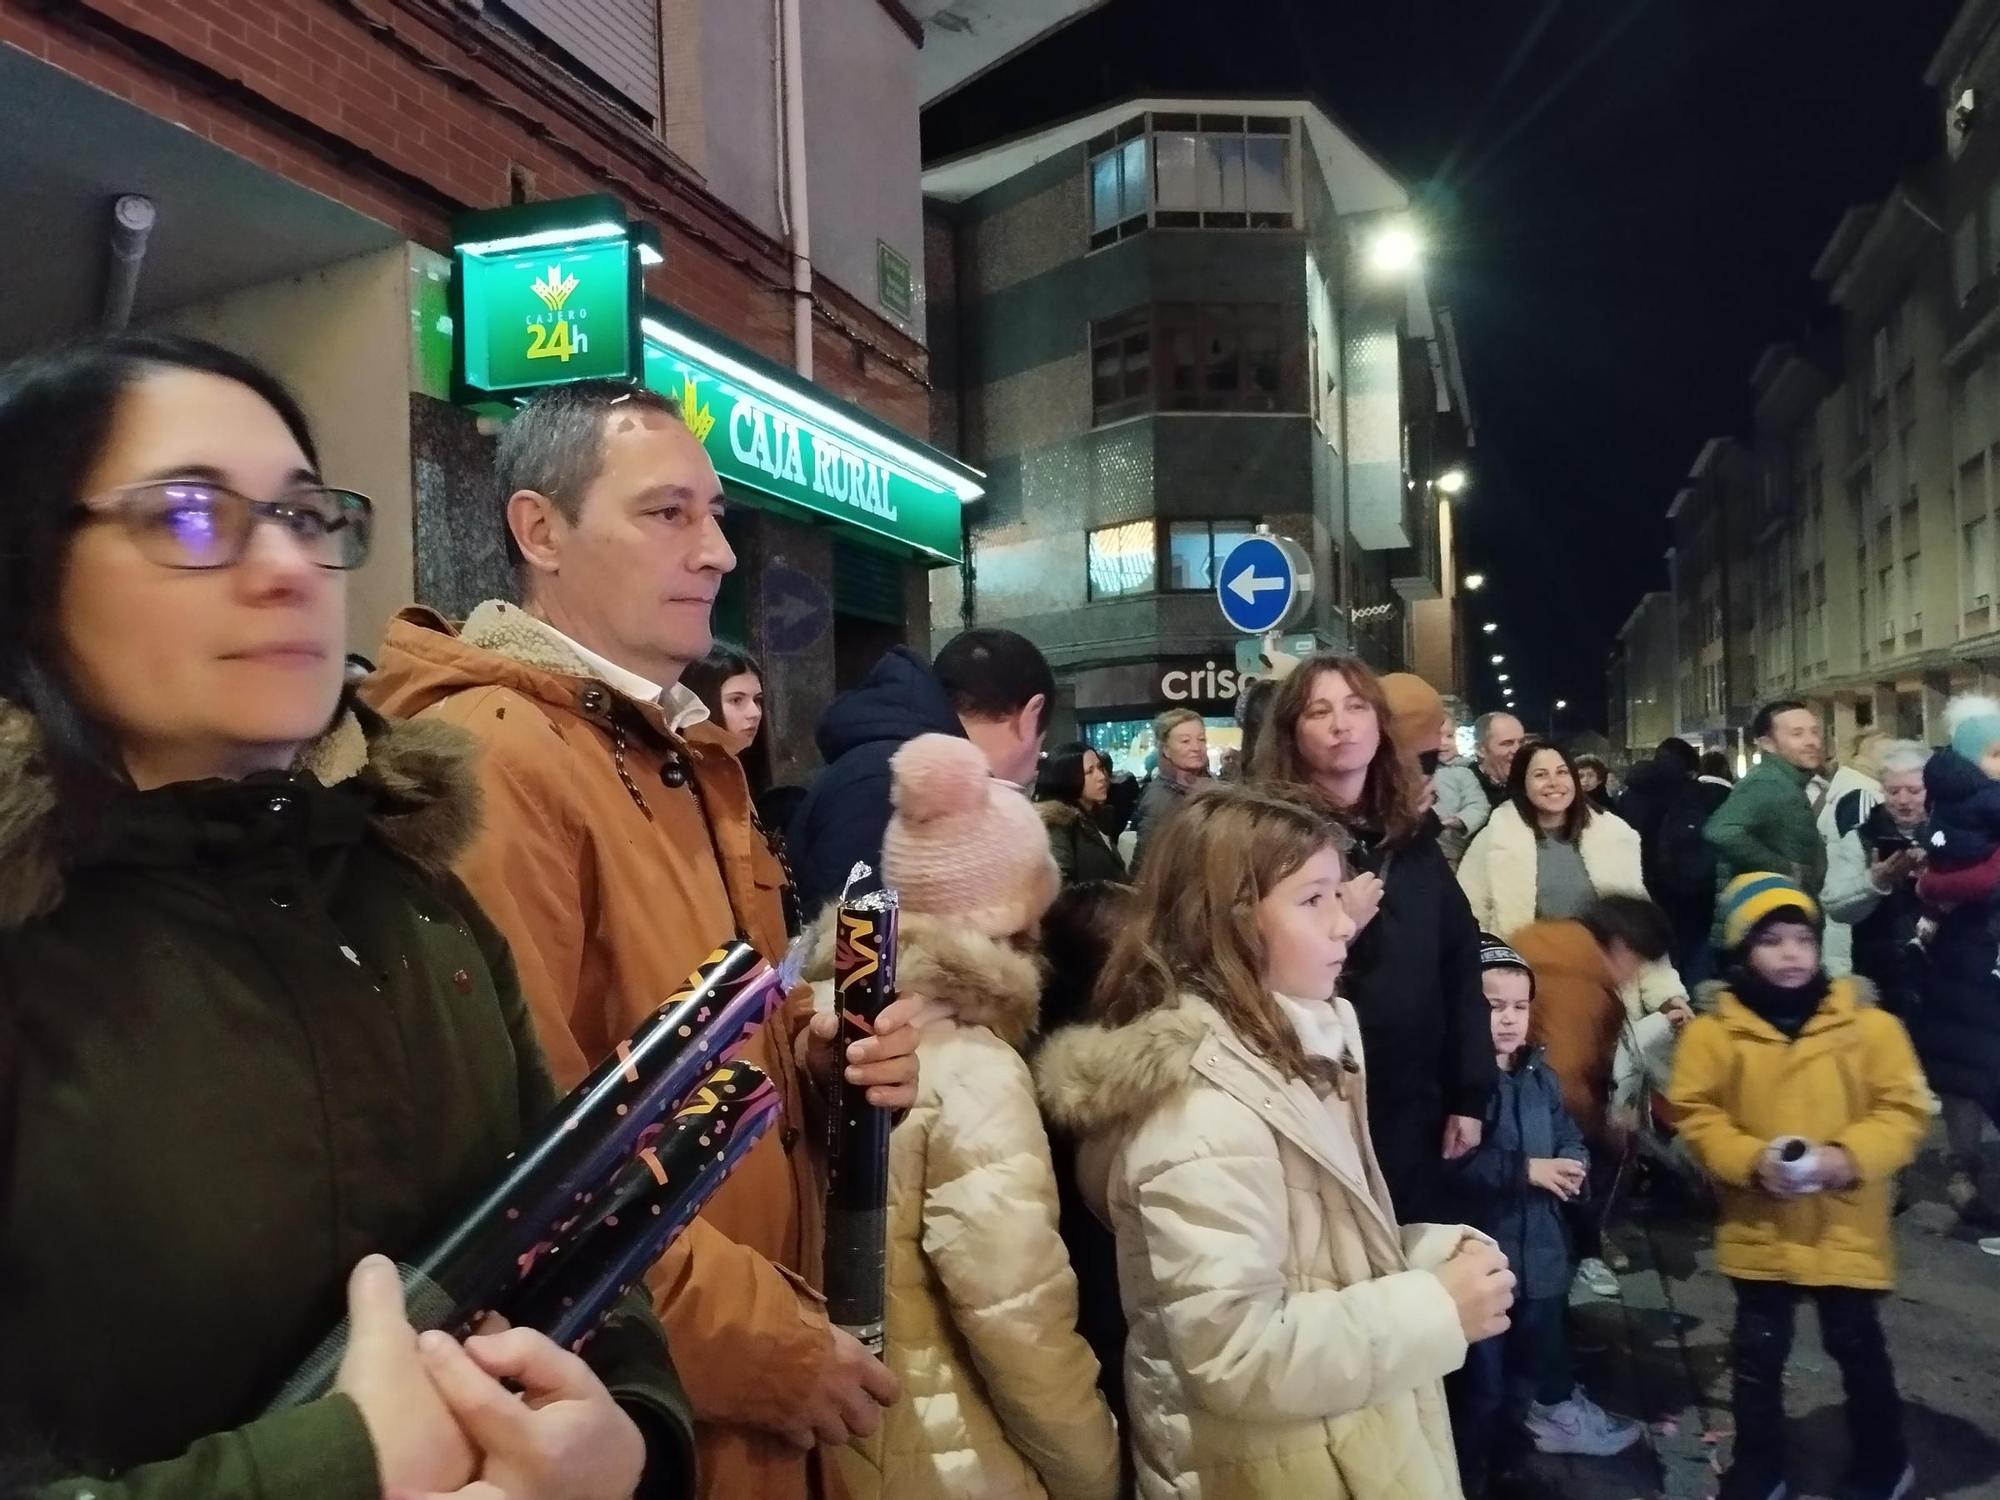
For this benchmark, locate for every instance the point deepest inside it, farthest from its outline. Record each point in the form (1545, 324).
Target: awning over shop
(550, 293)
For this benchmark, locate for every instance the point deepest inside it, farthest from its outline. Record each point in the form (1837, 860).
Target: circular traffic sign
(1263, 583)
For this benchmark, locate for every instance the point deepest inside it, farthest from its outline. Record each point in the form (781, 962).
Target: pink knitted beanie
(963, 845)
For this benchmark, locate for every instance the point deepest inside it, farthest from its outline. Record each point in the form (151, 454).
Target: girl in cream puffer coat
(1000, 1398)
(1287, 1337)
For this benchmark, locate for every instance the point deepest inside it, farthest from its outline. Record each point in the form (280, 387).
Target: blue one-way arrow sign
(1263, 583)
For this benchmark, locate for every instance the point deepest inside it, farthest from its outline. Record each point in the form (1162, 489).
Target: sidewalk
(1661, 1353)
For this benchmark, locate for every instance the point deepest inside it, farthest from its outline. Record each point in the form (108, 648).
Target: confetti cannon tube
(651, 1200)
(498, 1239)
(857, 1213)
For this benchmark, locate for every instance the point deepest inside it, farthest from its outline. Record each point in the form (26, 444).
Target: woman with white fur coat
(1546, 854)
(1000, 1397)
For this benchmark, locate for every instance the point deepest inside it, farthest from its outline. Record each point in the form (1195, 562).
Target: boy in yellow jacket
(1803, 1101)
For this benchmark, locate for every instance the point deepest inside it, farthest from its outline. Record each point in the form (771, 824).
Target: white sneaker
(1580, 1426)
(1597, 1278)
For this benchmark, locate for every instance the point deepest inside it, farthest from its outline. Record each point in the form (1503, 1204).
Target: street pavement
(1660, 1351)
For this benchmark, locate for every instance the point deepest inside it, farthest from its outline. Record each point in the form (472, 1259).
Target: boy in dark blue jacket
(1519, 1387)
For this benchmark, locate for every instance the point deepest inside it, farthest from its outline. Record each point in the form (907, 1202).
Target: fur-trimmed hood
(426, 797)
(1092, 1077)
(988, 982)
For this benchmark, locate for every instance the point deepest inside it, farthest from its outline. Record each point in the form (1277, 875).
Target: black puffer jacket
(1413, 977)
(846, 810)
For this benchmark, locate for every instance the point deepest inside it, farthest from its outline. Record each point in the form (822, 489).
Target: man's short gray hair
(1901, 757)
(555, 444)
(1482, 727)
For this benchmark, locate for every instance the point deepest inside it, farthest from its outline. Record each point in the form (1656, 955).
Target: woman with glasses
(253, 1036)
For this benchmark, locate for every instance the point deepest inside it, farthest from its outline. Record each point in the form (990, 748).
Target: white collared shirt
(683, 709)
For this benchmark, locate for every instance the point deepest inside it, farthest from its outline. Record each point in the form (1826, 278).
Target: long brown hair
(1195, 926)
(1389, 796)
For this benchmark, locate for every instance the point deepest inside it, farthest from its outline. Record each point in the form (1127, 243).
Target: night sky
(1625, 199)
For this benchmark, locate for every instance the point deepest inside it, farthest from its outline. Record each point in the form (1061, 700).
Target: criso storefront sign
(1191, 682)
(766, 435)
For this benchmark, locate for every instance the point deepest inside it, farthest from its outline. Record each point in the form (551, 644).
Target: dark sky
(1626, 199)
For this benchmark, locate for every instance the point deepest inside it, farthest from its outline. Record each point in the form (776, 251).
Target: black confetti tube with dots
(492, 1244)
(857, 1204)
(646, 1206)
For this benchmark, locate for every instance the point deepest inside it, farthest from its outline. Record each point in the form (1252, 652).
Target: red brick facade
(409, 110)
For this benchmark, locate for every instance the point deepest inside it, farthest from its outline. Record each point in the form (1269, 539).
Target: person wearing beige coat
(1287, 1338)
(1498, 876)
(1000, 1397)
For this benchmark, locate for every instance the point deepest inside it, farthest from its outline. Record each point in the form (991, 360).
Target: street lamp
(1561, 704)
(1489, 627)
(1475, 581)
(1505, 678)
(1499, 660)
(1395, 249)
(1453, 481)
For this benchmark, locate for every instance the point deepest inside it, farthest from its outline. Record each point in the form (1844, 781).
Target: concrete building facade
(1843, 554)
(1152, 328)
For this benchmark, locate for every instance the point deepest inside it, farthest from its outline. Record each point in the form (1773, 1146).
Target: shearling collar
(988, 982)
(510, 631)
(1091, 1077)
(426, 798)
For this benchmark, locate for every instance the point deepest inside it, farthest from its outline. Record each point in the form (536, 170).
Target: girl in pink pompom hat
(1000, 1397)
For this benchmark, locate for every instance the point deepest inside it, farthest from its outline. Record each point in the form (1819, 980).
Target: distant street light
(1561, 703)
(1499, 660)
(1395, 249)
(1453, 482)
(1505, 678)
(1475, 581)
(1489, 627)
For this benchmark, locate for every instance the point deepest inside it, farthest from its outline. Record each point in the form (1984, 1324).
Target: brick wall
(409, 111)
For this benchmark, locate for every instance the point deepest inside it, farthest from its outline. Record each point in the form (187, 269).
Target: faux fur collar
(1092, 1077)
(510, 631)
(988, 982)
(427, 798)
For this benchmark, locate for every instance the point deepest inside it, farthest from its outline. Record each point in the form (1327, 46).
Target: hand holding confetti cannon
(588, 1145)
(857, 1209)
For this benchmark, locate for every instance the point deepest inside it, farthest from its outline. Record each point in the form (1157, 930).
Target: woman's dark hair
(1580, 811)
(1716, 763)
(1077, 933)
(1061, 776)
(705, 678)
(56, 415)
(1389, 804)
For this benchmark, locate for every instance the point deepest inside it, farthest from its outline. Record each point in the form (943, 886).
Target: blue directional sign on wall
(1263, 583)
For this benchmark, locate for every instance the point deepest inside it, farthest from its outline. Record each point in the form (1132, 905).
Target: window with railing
(1192, 171)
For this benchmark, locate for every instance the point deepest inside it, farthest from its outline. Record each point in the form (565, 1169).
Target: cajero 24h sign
(778, 440)
(545, 294)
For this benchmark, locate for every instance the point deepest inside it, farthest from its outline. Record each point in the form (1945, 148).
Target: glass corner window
(1123, 560)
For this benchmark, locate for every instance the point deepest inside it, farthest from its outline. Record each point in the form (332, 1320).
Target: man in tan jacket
(619, 850)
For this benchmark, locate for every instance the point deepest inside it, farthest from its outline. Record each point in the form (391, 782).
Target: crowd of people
(1254, 1132)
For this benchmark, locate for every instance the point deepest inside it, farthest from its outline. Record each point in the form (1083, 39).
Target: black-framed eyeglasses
(193, 524)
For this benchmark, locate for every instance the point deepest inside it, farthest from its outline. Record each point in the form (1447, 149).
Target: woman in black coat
(1070, 793)
(1413, 971)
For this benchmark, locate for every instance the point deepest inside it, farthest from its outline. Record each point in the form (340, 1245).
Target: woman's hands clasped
(443, 1425)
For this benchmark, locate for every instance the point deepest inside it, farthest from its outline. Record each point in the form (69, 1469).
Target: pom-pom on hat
(963, 845)
(1749, 900)
(1974, 722)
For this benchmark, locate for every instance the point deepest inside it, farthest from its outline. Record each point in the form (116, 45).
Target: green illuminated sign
(544, 294)
(790, 445)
